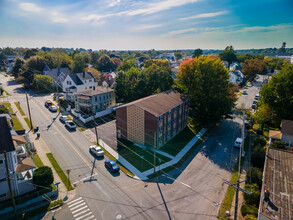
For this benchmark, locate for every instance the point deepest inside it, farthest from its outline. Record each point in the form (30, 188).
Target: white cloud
(145, 27)
(160, 6)
(30, 7)
(114, 3)
(182, 31)
(205, 15)
(278, 27)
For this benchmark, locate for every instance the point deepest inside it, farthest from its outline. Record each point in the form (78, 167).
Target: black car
(112, 166)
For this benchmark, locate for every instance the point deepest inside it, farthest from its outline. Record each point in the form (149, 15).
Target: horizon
(143, 25)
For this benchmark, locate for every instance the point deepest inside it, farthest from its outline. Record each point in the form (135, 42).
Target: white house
(20, 167)
(287, 132)
(236, 77)
(78, 82)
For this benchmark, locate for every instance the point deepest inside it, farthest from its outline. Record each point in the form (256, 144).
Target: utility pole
(29, 111)
(96, 131)
(9, 185)
(155, 146)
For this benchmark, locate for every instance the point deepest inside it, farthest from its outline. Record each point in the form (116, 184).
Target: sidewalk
(42, 149)
(143, 175)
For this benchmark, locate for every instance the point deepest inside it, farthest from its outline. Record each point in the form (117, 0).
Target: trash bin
(38, 134)
(36, 129)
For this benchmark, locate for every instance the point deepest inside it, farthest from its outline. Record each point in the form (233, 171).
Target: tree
(228, 55)
(263, 115)
(197, 53)
(80, 61)
(205, 82)
(258, 156)
(8, 51)
(242, 57)
(29, 53)
(178, 55)
(254, 175)
(279, 145)
(254, 198)
(105, 64)
(127, 63)
(43, 176)
(3, 60)
(16, 68)
(278, 95)
(94, 58)
(159, 62)
(43, 83)
(116, 61)
(249, 211)
(34, 65)
(253, 67)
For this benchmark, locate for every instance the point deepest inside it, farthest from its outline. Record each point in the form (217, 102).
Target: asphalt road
(192, 191)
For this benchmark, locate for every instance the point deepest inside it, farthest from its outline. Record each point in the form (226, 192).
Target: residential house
(285, 135)
(236, 77)
(153, 120)
(10, 62)
(57, 74)
(78, 82)
(97, 99)
(20, 167)
(277, 187)
(226, 64)
(235, 66)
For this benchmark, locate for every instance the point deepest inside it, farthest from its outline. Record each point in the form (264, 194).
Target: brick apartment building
(153, 120)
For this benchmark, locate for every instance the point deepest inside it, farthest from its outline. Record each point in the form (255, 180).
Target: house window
(90, 87)
(90, 80)
(68, 82)
(1, 161)
(3, 195)
(100, 98)
(96, 98)
(85, 88)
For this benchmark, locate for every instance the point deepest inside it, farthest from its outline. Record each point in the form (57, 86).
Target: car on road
(70, 124)
(244, 92)
(238, 142)
(256, 97)
(253, 106)
(63, 118)
(96, 150)
(48, 103)
(254, 102)
(53, 108)
(112, 166)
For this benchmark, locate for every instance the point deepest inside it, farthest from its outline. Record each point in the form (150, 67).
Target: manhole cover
(118, 216)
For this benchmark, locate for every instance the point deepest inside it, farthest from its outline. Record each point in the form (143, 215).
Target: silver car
(63, 118)
(70, 124)
(96, 150)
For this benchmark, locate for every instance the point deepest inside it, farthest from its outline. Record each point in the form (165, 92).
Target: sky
(143, 25)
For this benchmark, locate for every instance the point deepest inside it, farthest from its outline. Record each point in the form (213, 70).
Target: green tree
(279, 145)
(254, 175)
(94, 58)
(105, 64)
(249, 212)
(43, 176)
(3, 60)
(43, 83)
(228, 55)
(205, 82)
(197, 53)
(278, 95)
(263, 115)
(158, 62)
(34, 65)
(16, 68)
(258, 156)
(80, 61)
(242, 57)
(29, 53)
(9, 51)
(127, 63)
(254, 198)
(178, 55)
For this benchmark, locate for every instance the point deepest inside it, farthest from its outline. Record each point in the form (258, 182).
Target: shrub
(4, 110)
(250, 217)
(248, 210)
(254, 175)
(279, 145)
(43, 176)
(258, 156)
(259, 141)
(252, 199)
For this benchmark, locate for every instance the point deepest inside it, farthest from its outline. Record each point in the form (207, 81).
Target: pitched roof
(75, 79)
(287, 127)
(46, 68)
(6, 143)
(275, 134)
(18, 140)
(24, 164)
(159, 103)
(98, 90)
(54, 73)
(85, 75)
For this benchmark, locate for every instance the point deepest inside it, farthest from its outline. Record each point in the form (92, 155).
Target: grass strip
(16, 123)
(28, 123)
(37, 160)
(19, 108)
(8, 106)
(55, 203)
(60, 172)
(7, 93)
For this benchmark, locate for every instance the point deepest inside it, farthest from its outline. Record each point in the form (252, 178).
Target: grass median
(37, 160)
(60, 172)
(19, 108)
(28, 123)
(16, 123)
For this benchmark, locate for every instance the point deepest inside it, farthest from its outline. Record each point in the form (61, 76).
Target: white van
(238, 142)
(256, 96)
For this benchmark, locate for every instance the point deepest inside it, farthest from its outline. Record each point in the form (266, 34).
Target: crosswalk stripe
(75, 211)
(90, 217)
(79, 205)
(81, 213)
(76, 203)
(74, 200)
(83, 216)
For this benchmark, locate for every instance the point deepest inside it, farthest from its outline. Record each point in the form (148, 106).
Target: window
(85, 88)
(3, 180)
(100, 98)
(3, 195)
(1, 161)
(68, 82)
(90, 80)
(91, 87)
(96, 98)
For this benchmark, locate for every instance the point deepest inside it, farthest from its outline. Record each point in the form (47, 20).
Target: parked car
(257, 77)
(63, 118)
(48, 103)
(53, 108)
(244, 92)
(112, 166)
(96, 151)
(70, 124)
(253, 106)
(254, 102)
(238, 142)
(256, 97)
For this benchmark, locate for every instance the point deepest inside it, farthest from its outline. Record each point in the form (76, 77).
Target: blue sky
(158, 24)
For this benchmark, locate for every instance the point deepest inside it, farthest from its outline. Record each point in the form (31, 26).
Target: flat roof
(279, 181)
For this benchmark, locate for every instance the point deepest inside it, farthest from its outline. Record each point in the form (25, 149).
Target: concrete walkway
(143, 175)
(42, 149)
(157, 151)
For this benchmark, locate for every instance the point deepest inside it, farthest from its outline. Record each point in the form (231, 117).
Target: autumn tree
(253, 67)
(228, 55)
(205, 82)
(197, 52)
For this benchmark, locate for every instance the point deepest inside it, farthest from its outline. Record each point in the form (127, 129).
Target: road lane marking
(76, 203)
(75, 211)
(84, 216)
(74, 200)
(81, 213)
(90, 217)
(79, 205)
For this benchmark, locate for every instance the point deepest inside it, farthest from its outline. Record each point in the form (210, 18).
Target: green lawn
(19, 108)
(16, 123)
(8, 106)
(60, 172)
(174, 146)
(133, 153)
(28, 122)
(37, 160)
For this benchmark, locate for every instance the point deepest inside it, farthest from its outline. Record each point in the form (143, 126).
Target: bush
(4, 110)
(43, 176)
(255, 175)
(252, 199)
(279, 145)
(259, 141)
(258, 156)
(249, 210)
(250, 217)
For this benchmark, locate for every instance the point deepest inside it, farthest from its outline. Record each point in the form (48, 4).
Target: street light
(141, 163)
